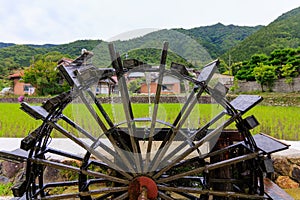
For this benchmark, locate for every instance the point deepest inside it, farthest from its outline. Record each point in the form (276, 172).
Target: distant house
(134, 75)
(19, 87)
(65, 61)
(170, 85)
(224, 79)
(107, 86)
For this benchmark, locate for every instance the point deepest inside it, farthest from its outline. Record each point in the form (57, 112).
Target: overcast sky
(63, 21)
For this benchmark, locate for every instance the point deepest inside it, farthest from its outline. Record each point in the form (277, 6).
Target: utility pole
(229, 64)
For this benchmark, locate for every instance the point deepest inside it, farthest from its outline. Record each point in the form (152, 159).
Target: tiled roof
(16, 75)
(65, 61)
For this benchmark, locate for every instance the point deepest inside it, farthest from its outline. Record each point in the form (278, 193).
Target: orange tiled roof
(16, 75)
(65, 61)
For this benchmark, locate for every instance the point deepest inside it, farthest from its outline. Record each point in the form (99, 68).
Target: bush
(5, 189)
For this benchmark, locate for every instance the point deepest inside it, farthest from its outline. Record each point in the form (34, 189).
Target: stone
(282, 166)
(10, 169)
(285, 182)
(295, 173)
(71, 162)
(70, 175)
(4, 179)
(295, 159)
(52, 174)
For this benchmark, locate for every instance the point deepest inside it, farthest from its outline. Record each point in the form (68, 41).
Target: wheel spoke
(204, 78)
(97, 142)
(87, 193)
(85, 146)
(88, 135)
(172, 133)
(100, 108)
(197, 135)
(211, 192)
(102, 125)
(164, 196)
(117, 64)
(209, 167)
(121, 197)
(93, 112)
(196, 146)
(156, 102)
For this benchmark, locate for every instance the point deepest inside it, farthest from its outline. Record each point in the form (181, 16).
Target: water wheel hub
(142, 188)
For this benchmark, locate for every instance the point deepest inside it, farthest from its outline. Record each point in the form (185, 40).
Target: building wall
(279, 86)
(18, 87)
(175, 88)
(144, 88)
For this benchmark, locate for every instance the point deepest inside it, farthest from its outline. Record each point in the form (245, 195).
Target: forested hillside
(218, 38)
(5, 44)
(180, 44)
(282, 33)
(13, 57)
(203, 44)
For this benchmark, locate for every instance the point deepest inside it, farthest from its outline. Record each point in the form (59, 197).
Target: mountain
(179, 43)
(198, 45)
(284, 32)
(209, 41)
(13, 57)
(18, 55)
(41, 46)
(203, 44)
(218, 38)
(74, 48)
(2, 44)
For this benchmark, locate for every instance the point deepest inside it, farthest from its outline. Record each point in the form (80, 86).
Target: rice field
(279, 122)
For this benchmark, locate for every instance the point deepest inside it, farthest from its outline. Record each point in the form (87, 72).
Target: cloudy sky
(63, 21)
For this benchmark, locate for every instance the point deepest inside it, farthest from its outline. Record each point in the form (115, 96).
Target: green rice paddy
(279, 122)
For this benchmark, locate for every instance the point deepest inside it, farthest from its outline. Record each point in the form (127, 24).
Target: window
(167, 87)
(28, 89)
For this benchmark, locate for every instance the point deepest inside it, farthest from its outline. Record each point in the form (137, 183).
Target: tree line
(265, 69)
(41, 71)
(43, 75)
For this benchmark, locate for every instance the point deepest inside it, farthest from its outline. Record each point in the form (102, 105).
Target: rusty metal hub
(142, 188)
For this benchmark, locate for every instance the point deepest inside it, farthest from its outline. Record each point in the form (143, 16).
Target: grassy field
(277, 121)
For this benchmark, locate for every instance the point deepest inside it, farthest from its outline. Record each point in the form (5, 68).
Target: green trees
(281, 33)
(265, 75)
(218, 38)
(42, 74)
(152, 56)
(245, 69)
(16, 57)
(289, 71)
(4, 71)
(224, 68)
(135, 85)
(282, 63)
(12, 58)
